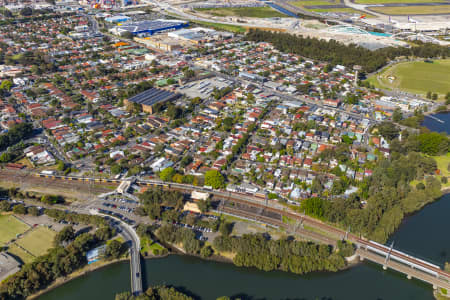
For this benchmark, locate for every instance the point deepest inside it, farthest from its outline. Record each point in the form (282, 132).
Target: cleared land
(10, 227)
(307, 3)
(341, 10)
(20, 253)
(38, 241)
(225, 27)
(312, 2)
(251, 12)
(395, 1)
(413, 10)
(416, 77)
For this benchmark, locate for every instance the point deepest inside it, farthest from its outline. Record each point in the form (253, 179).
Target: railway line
(442, 277)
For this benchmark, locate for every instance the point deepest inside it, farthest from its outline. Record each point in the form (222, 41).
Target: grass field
(394, 1)
(442, 163)
(10, 227)
(251, 12)
(348, 10)
(416, 77)
(225, 27)
(313, 2)
(19, 252)
(38, 241)
(306, 3)
(413, 10)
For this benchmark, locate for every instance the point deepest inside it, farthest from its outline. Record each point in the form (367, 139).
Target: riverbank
(79, 273)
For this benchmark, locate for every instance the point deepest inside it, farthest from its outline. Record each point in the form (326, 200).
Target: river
(208, 280)
(435, 125)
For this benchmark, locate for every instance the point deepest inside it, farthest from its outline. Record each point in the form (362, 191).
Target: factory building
(150, 97)
(118, 19)
(147, 28)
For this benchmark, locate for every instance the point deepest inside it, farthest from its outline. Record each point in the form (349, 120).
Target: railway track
(268, 206)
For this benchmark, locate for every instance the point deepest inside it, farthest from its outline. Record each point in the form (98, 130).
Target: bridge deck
(436, 282)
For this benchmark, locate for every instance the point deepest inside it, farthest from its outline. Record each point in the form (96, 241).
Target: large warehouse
(152, 96)
(146, 28)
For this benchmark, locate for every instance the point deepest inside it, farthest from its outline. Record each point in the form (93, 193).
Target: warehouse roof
(153, 96)
(154, 25)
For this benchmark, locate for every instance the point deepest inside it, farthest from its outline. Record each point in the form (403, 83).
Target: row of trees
(264, 253)
(15, 134)
(348, 55)
(59, 261)
(186, 237)
(155, 293)
(388, 194)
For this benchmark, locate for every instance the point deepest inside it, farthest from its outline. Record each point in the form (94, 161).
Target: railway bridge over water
(386, 256)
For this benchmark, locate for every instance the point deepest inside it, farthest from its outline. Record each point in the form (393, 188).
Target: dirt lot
(69, 189)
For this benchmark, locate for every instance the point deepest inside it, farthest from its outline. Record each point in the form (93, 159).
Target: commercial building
(118, 19)
(159, 42)
(152, 96)
(147, 28)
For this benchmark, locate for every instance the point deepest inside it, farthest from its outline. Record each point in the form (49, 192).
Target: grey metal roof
(153, 96)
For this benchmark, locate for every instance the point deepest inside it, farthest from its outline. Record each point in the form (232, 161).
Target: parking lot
(203, 88)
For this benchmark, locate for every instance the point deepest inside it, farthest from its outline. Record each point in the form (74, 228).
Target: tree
(26, 11)
(397, 115)
(206, 251)
(19, 209)
(434, 96)
(116, 169)
(114, 250)
(66, 235)
(60, 166)
(420, 186)
(167, 174)
(388, 130)
(5, 206)
(104, 233)
(225, 228)
(33, 210)
(127, 35)
(6, 85)
(214, 179)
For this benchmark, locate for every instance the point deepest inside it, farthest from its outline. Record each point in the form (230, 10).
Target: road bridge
(370, 250)
(131, 236)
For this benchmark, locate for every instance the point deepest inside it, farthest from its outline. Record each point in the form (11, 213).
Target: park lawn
(413, 10)
(251, 12)
(443, 161)
(26, 162)
(225, 27)
(348, 10)
(10, 227)
(313, 2)
(20, 253)
(416, 77)
(148, 245)
(394, 1)
(38, 241)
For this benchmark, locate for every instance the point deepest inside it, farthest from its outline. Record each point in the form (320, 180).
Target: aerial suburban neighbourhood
(226, 149)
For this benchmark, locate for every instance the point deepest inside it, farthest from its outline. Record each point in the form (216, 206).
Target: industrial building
(118, 19)
(152, 96)
(161, 42)
(146, 28)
